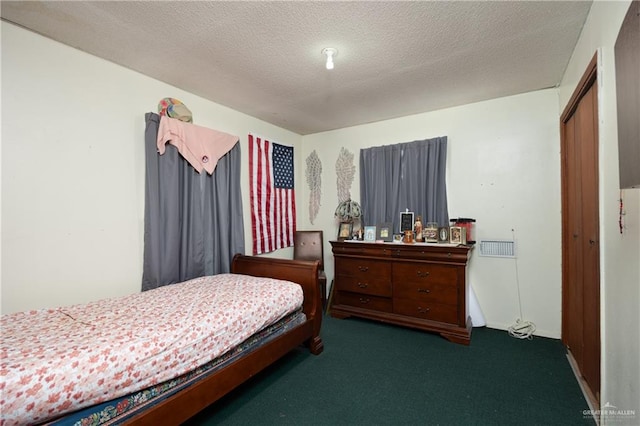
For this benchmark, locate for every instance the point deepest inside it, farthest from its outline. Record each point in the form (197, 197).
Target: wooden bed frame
(193, 399)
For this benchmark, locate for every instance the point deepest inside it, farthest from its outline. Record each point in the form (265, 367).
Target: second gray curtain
(403, 176)
(193, 222)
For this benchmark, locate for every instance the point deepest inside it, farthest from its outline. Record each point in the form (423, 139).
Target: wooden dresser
(423, 286)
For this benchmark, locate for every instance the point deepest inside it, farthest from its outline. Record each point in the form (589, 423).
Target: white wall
(620, 253)
(73, 170)
(503, 170)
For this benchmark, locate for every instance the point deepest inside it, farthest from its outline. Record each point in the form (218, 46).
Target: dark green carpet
(371, 373)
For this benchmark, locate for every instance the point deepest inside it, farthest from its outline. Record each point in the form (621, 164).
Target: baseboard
(594, 406)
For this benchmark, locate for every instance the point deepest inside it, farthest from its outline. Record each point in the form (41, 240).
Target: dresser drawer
(369, 250)
(429, 253)
(364, 284)
(430, 292)
(426, 310)
(363, 276)
(425, 273)
(357, 267)
(375, 303)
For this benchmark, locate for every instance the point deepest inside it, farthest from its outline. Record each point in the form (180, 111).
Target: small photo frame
(431, 235)
(397, 238)
(406, 222)
(457, 235)
(344, 231)
(385, 231)
(443, 234)
(369, 233)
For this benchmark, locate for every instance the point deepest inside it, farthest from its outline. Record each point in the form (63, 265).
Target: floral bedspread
(53, 361)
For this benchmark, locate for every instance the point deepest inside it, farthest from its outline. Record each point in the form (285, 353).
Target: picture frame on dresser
(431, 235)
(344, 231)
(457, 235)
(443, 234)
(370, 233)
(406, 221)
(385, 233)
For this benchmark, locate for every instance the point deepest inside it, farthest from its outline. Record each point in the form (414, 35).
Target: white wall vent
(498, 248)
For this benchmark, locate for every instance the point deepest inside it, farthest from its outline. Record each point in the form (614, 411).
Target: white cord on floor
(521, 329)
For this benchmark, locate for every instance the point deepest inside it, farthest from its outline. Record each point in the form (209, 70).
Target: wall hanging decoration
(345, 172)
(348, 211)
(314, 180)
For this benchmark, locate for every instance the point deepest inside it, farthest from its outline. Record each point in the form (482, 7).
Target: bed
(167, 379)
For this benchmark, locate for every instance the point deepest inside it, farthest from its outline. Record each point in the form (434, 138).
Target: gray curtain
(192, 222)
(403, 176)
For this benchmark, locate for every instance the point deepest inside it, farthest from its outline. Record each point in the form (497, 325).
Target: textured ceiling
(263, 58)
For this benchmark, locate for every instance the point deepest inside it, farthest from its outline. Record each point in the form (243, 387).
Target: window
(403, 176)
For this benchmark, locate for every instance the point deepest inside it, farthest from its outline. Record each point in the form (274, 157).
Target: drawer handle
(364, 301)
(423, 310)
(423, 274)
(363, 268)
(363, 285)
(424, 290)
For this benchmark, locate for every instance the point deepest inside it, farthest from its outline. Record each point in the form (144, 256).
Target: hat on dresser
(173, 108)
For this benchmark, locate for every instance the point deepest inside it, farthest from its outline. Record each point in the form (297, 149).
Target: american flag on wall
(273, 203)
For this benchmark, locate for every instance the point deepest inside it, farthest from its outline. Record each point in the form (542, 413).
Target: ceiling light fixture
(331, 53)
